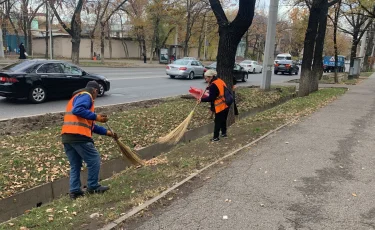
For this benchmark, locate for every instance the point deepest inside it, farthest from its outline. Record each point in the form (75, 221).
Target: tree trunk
(201, 37)
(317, 68)
(91, 47)
(29, 40)
(369, 48)
(109, 41)
(335, 48)
(102, 41)
(309, 45)
(187, 34)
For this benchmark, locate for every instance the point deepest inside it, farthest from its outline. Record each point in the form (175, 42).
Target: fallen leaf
(353, 194)
(94, 215)
(74, 213)
(225, 217)
(49, 210)
(50, 219)
(11, 224)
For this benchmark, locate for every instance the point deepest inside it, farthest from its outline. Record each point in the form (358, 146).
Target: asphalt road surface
(127, 85)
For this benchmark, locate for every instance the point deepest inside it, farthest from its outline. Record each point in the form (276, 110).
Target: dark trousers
(221, 123)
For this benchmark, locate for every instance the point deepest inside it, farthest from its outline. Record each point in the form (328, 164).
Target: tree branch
(245, 10)
(66, 28)
(331, 3)
(221, 18)
(115, 10)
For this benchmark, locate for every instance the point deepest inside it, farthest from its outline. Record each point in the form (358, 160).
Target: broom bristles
(129, 154)
(175, 135)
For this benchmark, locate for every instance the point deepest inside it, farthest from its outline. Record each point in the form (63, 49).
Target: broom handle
(109, 127)
(200, 98)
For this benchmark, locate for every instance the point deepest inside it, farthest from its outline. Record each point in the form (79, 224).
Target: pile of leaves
(37, 157)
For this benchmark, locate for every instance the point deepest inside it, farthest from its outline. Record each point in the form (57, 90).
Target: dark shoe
(224, 135)
(215, 139)
(100, 189)
(75, 195)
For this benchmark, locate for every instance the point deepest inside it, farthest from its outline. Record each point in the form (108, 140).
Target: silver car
(185, 69)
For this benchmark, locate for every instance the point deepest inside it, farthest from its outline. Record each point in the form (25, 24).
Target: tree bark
(309, 45)
(109, 41)
(187, 34)
(246, 44)
(317, 68)
(102, 41)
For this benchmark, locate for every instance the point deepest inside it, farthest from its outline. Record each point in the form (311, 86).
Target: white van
(285, 56)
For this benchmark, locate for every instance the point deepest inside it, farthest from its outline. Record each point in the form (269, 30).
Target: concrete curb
(135, 210)
(17, 204)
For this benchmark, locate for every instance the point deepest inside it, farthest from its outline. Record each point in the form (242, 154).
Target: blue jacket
(81, 107)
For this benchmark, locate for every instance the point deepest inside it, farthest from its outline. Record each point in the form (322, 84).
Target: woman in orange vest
(216, 96)
(77, 129)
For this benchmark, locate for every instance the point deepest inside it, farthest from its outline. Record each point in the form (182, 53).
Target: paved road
(127, 85)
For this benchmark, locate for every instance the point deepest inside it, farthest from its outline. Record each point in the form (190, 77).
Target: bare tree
(74, 29)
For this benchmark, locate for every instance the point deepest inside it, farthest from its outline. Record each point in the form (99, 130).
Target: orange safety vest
(77, 125)
(220, 100)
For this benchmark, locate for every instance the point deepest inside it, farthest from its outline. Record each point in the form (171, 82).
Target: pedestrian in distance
(216, 88)
(144, 58)
(22, 51)
(77, 129)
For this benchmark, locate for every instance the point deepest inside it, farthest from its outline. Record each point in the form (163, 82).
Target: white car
(251, 66)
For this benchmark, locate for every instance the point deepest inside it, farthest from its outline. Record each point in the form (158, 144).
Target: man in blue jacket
(79, 124)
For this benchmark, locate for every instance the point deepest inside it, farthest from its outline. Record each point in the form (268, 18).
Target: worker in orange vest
(77, 129)
(216, 96)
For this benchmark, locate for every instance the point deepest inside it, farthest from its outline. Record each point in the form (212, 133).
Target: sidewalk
(316, 174)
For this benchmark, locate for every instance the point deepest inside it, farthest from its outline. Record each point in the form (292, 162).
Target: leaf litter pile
(36, 157)
(132, 187)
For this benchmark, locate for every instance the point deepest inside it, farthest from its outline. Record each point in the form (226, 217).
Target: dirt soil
(26, 124)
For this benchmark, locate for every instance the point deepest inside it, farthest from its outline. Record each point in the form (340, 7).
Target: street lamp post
(270, 45)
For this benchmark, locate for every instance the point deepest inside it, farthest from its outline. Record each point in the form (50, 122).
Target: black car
(286, 66)
(239, 72)
(38, 80)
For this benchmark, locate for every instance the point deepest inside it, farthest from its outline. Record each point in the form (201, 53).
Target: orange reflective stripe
(74, 124)
(220, 100)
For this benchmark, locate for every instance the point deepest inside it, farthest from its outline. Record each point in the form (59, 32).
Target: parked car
(189, 58)
(186, 69)
(286, 66)
(251, 66)
(239, 72)
(38, 80)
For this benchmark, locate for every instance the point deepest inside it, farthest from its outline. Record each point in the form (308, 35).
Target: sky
(284, 6)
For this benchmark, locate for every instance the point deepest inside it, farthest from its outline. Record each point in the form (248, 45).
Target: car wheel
(261, 70)
(275, 72)
(171, 76)
(290, 73)
(253, 70)
(102, 89)
(37, 94)
(296, 73)
(191, 75)
(245, 77)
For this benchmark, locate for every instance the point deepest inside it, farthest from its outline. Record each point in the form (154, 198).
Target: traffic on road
(126, 85)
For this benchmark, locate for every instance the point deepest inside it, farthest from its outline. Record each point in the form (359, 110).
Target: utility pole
(50, 30)
(270, 45)
(1, 41)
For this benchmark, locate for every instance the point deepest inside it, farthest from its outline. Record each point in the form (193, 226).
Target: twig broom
(175, 135)
(127, 152)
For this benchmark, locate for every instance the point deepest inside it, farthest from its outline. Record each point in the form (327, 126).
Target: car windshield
(181, 62)
(17, 66)
(283, 58)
